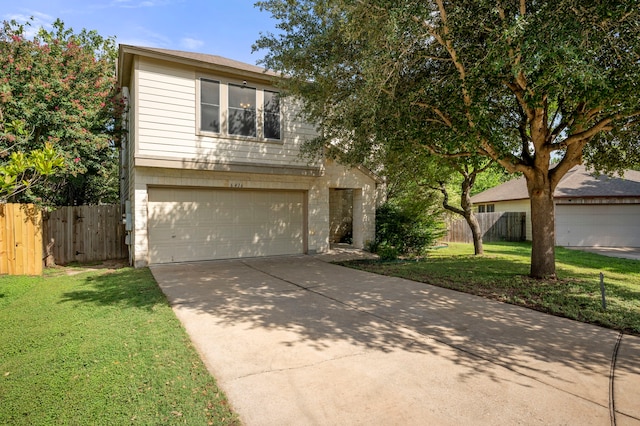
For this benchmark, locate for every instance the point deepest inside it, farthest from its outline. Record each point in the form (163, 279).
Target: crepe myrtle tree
(60, 85)
(536, 86)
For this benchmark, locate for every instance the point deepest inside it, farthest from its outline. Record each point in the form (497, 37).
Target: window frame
(199, 106)
(224, 133)
(264, 114)
(254, 110)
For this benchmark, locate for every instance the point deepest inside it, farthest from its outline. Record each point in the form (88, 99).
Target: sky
(220, 27)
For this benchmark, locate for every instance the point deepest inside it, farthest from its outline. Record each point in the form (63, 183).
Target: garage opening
(190, 224)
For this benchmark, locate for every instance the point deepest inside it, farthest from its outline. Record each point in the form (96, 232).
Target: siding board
(167, 125)
(152, 99)
(157, 82)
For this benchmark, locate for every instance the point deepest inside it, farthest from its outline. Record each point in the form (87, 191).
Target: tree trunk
(466, 211)
(543, 230)
(476, 233)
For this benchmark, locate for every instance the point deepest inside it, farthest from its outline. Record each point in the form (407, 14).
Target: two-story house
(211, 165)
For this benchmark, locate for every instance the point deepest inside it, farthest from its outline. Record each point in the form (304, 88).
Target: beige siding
(164, 138)
(516, 206)
(167, 122)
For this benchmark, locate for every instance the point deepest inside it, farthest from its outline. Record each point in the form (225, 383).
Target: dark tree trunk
(476, 233)
(543, 229)
(466, 211)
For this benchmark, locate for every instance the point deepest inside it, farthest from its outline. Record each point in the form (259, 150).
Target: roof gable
(200, 60)
(577, 183)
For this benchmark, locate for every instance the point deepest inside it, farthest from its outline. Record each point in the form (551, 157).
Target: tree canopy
(536, 86)
(60, 87)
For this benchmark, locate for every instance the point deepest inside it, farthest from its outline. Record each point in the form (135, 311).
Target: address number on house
(236, 184)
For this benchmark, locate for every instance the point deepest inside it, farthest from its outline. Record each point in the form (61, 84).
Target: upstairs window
(209, 106)
(271, 110)
(242, 111)
(236, 111)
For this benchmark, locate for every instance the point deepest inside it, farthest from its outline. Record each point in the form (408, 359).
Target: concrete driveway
(297, 341)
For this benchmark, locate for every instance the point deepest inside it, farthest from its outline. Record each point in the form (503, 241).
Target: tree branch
(445, 120)
(445, 201)
(600, 126)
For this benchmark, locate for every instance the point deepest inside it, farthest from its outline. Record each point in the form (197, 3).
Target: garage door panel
(202, 224)
(598, 225)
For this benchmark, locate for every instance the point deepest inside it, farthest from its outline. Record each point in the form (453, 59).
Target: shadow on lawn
(126, 287)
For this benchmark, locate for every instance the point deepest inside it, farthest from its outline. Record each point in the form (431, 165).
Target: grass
(501, 274)
(99, 347)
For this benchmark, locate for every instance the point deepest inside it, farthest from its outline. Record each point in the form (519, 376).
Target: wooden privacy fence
(20, 239)
(499, 226)
(83, 234)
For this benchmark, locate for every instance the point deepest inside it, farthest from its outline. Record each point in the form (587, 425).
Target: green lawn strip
(99, 347)
(501, 274)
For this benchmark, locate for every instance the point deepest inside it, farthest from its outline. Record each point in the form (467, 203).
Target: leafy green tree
(21, 171)
(62, 86)
(518, 82)
(409, 222)
(410, 165)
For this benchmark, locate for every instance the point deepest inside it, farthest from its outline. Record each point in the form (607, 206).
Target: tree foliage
(61, 86)
(519, 82)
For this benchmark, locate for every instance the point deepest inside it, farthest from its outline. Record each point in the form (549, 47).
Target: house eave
(127, 52)
(232, 167)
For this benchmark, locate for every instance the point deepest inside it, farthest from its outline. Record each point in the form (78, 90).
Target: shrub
(404, 229)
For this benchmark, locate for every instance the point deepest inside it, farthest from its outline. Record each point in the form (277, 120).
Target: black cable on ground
(612, 372)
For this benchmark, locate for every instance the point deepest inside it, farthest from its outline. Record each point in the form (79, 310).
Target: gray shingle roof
(577, 183)
(203, 60)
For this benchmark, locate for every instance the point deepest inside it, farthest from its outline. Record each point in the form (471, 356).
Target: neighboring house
(590, 211)
(211, 166)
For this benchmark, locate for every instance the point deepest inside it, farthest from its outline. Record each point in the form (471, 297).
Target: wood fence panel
(495, 227)
(84, 234)
(4, 255)
(20, 239)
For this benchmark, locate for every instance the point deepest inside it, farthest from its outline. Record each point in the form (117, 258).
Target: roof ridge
(578, 182)
(205, 58)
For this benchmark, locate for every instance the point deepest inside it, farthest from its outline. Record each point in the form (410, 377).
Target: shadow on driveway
(298, 340)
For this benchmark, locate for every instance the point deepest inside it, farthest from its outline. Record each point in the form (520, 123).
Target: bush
(387, 252)
(404, 229)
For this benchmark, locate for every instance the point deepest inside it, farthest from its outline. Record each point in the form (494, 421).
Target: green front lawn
(100, 347)
(501, 274)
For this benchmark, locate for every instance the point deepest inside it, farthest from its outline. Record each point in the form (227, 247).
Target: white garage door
(598, 225)
(206, 224)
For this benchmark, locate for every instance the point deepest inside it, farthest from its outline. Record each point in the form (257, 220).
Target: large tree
(536, 86)
(60, 88)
